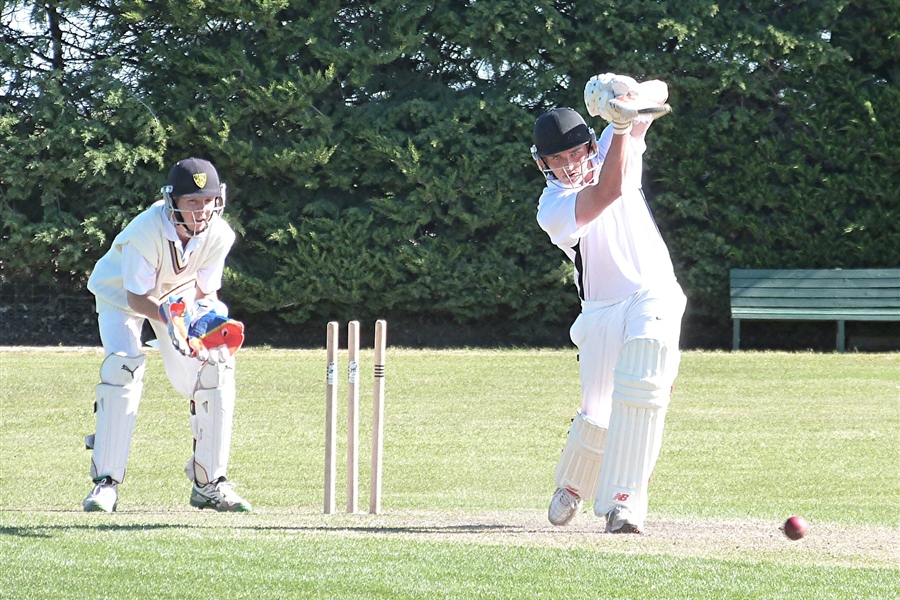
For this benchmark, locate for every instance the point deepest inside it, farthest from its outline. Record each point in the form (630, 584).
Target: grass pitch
(471, 440)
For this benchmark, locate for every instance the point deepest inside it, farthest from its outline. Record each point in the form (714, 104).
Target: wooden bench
(814, 295)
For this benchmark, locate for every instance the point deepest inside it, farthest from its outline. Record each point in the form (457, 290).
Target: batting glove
(600, 89)
(621, 100)
(626, 109)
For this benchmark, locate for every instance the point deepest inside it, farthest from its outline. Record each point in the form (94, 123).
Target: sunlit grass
(471, 439)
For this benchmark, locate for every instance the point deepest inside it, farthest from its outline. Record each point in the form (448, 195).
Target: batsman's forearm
(144, 305)
(639, 128)
(594, 199)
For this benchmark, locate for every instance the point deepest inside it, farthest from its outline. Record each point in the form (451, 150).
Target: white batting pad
(579, 466)
(116, 401)
(644, 375)
(118, 369)
(212, 413)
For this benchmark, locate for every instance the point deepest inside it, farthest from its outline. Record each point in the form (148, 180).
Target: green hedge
(377, 153)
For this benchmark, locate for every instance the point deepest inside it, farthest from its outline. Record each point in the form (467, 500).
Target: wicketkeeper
(166, 267)
(627, 334)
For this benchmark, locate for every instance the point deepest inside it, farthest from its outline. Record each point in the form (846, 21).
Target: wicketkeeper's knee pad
(644, 375)
(212, 413)
(117, 397)
(579, 466)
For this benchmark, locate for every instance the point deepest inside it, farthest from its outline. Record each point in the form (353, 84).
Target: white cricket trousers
(602, 329)
(120, 332)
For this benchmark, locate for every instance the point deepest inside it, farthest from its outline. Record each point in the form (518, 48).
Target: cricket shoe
(218, 495)
(619, 520)
(564, 505)
(104, 497)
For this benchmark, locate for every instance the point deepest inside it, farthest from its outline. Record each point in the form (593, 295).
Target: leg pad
(579, 466)
(212, 414)
(117, 398)
(644, 375)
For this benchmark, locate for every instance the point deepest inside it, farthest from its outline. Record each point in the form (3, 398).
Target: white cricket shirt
(621, 251)
(147, 257)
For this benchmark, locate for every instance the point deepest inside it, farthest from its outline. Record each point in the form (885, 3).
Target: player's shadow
(393, 530)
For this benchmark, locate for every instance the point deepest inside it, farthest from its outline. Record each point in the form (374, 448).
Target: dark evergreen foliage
(377, 152)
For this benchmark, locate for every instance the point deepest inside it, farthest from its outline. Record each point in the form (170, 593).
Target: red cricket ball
(795, 527)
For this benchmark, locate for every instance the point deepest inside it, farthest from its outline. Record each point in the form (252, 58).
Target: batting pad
(212, 414)
(644, 375)
(116, 401)
(579, 466)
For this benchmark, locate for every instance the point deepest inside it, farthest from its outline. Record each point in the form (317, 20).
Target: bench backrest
(816, 294)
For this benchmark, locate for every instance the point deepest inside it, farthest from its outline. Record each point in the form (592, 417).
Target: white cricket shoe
(219, 495)
(564, 505)
(619, 520)
(104, 497)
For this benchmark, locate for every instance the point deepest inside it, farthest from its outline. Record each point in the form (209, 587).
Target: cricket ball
(795, 527)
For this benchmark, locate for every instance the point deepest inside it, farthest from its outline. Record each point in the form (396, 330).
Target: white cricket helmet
(563, 129)
(192, 178)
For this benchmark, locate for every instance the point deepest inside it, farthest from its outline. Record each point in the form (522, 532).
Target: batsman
(166, 267)
(594, 209)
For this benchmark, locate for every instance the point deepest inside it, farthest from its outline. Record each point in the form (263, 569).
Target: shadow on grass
(439, 529)
(48, 531)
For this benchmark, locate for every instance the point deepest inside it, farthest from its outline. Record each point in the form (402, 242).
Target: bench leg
(840, 337)
(736, 336)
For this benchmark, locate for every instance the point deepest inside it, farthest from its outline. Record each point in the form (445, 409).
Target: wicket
(331, 406)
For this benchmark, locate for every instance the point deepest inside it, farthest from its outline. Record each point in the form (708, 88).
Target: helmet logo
(200, 179)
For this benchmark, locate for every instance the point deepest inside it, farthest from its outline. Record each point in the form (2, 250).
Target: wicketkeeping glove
(173, 313)
(212, 335)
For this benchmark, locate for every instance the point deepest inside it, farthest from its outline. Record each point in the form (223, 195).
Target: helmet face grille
(580, 173)
(176, 215)
(558, 130)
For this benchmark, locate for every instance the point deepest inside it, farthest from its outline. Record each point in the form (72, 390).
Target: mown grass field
(471, 440)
